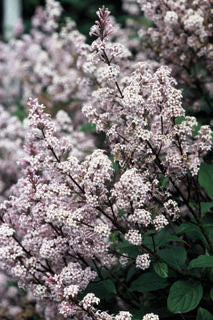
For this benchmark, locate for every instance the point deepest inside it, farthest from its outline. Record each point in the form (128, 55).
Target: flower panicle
(102, 27)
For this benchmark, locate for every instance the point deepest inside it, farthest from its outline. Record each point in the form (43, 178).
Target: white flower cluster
(151, 316)
(6, 231)
(40, 291)
(194, 21)
(131, 186)
(89, 301)
(123, 315)
(134, 237)
(171, 18)
(172, 209)
(19, 271)
(108, 73)
(103, 230)
(71, 291)
(143, 261)
(141, 216)
(160, 222)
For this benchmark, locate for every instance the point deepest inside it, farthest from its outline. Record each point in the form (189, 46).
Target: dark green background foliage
(82, 11)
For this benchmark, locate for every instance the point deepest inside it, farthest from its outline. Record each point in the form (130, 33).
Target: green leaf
(176, 256)
(121, 213)
(168, 239)
(191, 231)
(124, 244)
(115, 164)
(88, 127)
(205, 206)
(161, 269)
(76, 196)
(201, 262)
(127, 248)
(19, 113)
(114, 236)
(206, 178)
(211, 294)
(203, 314)
(165, 182)
(210, 274)
(109, 285)
(179, 120)
(184, 296)
(132, 271)
(148, 282)
(149, 233)
(103, 289)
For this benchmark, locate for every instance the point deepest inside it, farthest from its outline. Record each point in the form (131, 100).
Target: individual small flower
(134, 237)
(143, 261)
(118, 50)
(103, 315)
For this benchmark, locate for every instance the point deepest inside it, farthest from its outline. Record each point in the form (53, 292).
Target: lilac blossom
(57, 226)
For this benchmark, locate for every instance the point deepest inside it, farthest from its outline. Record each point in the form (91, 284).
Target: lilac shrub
(54, 221)
(102, 236)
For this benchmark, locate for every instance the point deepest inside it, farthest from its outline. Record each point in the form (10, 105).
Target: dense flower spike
(102, 27)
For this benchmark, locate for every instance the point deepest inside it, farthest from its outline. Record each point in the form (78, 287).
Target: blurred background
(82, 11)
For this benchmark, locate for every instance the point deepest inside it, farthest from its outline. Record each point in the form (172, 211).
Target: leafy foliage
(184, 296)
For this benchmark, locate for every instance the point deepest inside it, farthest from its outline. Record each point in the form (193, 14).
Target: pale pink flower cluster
(103, 27)
(47, 62)
(183, 29)
(12, 133)
(179, 35)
